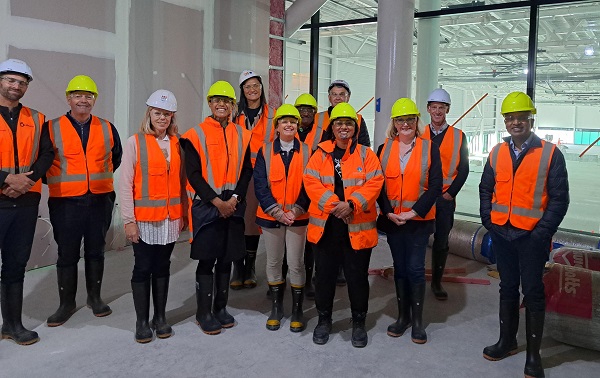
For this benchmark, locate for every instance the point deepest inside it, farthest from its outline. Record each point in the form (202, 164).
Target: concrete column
(395, 20)
(276, 54)
(428, 56)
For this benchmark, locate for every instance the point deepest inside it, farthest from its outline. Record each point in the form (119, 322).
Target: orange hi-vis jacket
(262, 132)
(404, 188)
(157, 185)
(75, 171)
(320, 125)
(363, 180)
(520, 197)
(285, 189)
(29, 130)
(449, 153)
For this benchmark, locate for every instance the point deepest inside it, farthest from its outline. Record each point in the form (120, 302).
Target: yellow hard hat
(221, 88)
(404, 106)
(517, 102)
(286, 110)
(343, 110)
(82, 83)
(306, 99)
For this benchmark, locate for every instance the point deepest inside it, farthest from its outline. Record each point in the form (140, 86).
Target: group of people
(308, 181)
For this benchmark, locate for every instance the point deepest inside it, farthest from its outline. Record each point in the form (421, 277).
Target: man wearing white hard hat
(454, 152)
(80, 182)
(153, 207)
(256, 115)
(25, 155)
(338, 92)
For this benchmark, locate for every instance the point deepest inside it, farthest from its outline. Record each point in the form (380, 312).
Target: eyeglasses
(519, 119)
(338, 95)
(347, 123)
(12, 81)
(158, 114)
(408, 121)
(218, 99)
(252, 86)
(88, 97)
(306, 109)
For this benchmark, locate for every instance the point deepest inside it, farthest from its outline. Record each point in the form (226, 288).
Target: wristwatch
(237, 197)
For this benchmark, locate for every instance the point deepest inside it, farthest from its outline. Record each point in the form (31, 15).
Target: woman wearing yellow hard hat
(152, 192)
(218, 168)
(343, 180)
(282, 213)
(413, 181)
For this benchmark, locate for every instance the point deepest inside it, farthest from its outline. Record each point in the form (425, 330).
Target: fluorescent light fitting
(589, 51)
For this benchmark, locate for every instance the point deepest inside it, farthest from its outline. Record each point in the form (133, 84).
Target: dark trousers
(522, 261)
(408, 252)
(17, 228)
(151, 261)
(444, 220)
(73, 220)
(329, 254)
(205, 267)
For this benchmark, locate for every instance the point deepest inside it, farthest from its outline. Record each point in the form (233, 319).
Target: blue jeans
(17, 228)
(408, 252)
(522, 261)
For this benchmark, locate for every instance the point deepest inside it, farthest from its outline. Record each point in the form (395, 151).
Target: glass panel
(567, 99)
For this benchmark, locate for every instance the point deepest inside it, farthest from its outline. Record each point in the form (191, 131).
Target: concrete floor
(104, 347)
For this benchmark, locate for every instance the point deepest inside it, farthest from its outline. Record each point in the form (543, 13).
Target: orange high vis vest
(262, 131)
(29, 130)
(404, 188)
(520, 197)
(321, 124)
(157, 186)
(362, 178)
(221, 153)
(74, 171)
(449, 153)
(285, 189)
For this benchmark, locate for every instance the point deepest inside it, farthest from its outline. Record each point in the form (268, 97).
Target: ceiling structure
(488, 50)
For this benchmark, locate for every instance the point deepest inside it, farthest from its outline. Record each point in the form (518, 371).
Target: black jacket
(557, 186)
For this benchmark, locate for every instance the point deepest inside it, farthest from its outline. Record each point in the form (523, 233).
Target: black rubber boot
(535, 329)
(94, 270)
(341, 278)
(221, 297)
(250, 270)
(160, 291)
(67, 288)
(438, 264)
(11, 302)
(509, 324)
(237, 277)
(204, 301)
(297, 323)
(141, 302)
(403, 322)
(274, 321)
(417, 296)
(359, 334)
(323, 328)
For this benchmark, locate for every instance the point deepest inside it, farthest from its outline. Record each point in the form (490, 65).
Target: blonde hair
(392, 133)
(146, 126)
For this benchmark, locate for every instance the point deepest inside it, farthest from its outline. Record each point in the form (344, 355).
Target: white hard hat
(163, 99)
(439, 95)
(340, 83)
(16, 66)
(247, 74)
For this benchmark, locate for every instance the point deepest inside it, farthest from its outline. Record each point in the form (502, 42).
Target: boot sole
(319, 341)
(418, 341)
(359, 344)
(251, 285)
(208, 332)
(239, 286)
(143, 341)
(58, 324)
(100, 315)
(511, 353)
(28, 342)
(392, 334)
(164, 335)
